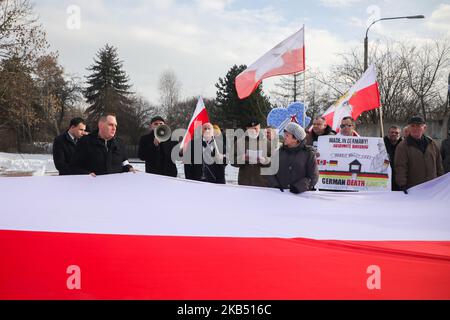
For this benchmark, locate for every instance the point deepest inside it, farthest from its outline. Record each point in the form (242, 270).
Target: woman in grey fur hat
(298, 171)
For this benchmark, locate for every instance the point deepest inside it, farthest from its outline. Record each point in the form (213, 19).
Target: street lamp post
(366, 50)
(366, 40)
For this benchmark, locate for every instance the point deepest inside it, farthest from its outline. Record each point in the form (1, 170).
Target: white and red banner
(287, 57)
(199, 117)
(353, 164)
(363, 96)
(143, 236)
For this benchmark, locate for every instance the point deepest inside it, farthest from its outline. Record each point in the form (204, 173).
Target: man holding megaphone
(156, 147)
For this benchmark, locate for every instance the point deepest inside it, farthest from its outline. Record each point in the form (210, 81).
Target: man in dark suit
(64, 145)
(101, 152)
(157, 154)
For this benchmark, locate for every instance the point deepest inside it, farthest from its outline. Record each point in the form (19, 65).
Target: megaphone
(163, 133)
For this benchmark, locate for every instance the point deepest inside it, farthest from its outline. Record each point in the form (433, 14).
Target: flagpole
(304, 82)
(381, 120)
(381, 114)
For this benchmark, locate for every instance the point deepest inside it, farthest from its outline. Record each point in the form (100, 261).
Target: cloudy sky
(201, 39)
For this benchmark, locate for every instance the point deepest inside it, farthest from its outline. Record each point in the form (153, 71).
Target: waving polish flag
(316, 245)
(285, 58)
(363, 96)
(199, 117)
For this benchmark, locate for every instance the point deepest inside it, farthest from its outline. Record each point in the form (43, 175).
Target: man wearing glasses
(417, 158)
(348, 127)
(205, 161)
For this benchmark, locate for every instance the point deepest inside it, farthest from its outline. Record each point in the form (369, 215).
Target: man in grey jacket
(298, 169)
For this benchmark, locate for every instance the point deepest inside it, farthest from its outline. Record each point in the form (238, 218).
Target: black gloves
(294, 189)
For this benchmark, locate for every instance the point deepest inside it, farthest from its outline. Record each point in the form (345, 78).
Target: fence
(436, 129)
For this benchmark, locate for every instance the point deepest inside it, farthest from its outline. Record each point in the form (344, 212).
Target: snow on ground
(33, 164)
(42, 164)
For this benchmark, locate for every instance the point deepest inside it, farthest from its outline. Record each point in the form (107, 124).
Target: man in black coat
(64, 145)
(101, 152)
(319, 128)
(391, 142)
(157, 154)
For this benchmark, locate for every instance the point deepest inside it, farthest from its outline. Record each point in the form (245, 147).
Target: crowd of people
(414, 157)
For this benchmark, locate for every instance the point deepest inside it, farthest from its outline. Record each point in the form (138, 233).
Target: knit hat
(296, 130)
(416, 120)
(252, 123)
(157, 118)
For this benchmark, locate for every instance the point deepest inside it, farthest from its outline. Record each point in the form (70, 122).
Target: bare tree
(20, 33)
(426, 69)
(390, 76)
(17, 99)
(289, 89)
(22, 41)
(140, 112)
(181, 114)
(71, 97)
(318, 97)
(411, 79)
(169, 90)
(49, 82)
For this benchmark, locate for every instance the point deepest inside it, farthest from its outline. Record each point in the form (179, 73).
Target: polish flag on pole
(363, 96)
(287, 57)
(199, 117)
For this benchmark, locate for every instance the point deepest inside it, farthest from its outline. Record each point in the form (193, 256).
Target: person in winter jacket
(298, 170)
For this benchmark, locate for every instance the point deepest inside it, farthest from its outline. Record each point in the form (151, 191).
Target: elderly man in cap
(298, 169)
(155, 153)
(417, 158)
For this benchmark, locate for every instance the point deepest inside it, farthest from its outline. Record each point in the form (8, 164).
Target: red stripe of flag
(34, 266)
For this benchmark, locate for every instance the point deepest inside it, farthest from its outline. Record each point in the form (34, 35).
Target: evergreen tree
(232, 112)
(108, 87)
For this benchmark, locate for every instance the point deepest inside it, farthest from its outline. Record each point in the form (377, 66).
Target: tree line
(38, 97)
